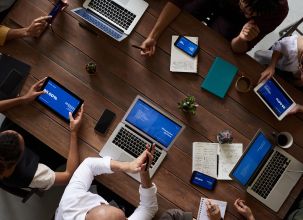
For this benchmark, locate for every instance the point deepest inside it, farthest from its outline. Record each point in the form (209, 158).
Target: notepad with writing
(219, 77)
(214, 159)
(202, 213)
(180, 61)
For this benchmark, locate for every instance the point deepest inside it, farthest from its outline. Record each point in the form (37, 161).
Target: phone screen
(56, 9)
(104, 121)
(203, 180)
(187, 46)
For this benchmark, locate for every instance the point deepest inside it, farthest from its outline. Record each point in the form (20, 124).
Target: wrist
(74, 133)
(250, 217)
(145, 179)
(25, 32)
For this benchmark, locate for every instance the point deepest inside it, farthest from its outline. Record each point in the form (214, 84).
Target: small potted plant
(91, 67)
(188, 105)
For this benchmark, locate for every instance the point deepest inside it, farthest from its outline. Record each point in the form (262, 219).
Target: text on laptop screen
(153, 123)
(258, 149)
(58, 99)
(276, 98)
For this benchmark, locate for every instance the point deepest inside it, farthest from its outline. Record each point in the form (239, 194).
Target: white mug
(284, 139)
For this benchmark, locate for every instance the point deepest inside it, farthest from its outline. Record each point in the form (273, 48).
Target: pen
(147, 159)
(135, 46)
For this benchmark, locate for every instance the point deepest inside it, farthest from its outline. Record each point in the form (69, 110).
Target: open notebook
(202, 213)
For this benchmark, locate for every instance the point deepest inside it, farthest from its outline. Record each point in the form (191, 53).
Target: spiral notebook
(202, 213)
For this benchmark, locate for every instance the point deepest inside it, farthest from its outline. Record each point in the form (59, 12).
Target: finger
(40, 93)
(70, 116)
(43, 18)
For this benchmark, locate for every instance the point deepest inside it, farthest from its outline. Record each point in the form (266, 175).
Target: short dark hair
(261, 7)
(10, 150)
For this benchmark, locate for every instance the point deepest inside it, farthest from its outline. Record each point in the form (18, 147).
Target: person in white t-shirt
(78, 203)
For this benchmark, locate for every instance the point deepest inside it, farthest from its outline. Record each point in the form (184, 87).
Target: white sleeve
(44, 177)
(148, 206)
(88, 169)
(284, 45)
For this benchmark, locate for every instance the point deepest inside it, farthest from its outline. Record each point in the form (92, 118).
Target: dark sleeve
(268, 23)
(179, 3)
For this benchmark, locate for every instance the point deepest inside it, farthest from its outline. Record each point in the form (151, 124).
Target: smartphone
(187, 46)
(105, 120)
(203, 180)
(55, 11)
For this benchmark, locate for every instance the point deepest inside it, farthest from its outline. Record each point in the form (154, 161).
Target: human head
(11, 149)
(105, 212)
(257, 7)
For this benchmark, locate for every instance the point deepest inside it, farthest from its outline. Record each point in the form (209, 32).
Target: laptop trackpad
(123, 2)
(125, 158)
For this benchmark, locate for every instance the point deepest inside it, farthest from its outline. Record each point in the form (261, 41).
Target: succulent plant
(91, 67)
(188, 105)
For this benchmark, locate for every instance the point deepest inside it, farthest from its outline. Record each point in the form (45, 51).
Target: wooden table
(122, 74)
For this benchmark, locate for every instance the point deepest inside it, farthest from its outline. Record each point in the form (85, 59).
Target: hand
(34, 91)
(66, 4)
(75, 123)
(139, 164)
(149, 46)
(213, 211)
(243, 209)
(37, 27)
(296, 109)
(249, 31)
(267, 73)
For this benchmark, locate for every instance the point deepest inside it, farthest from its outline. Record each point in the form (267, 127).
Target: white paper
(202, 213)
(181, 62)
(205, 158)
(229, 154)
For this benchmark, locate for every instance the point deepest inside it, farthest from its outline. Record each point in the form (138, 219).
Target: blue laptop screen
(275, 97)
(153, 123)
(248, 164)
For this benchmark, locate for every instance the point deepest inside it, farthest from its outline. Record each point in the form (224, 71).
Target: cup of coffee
(243, 84)
(284, 139)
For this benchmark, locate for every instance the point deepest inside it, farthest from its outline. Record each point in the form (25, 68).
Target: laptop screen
(153, 123)
(275, 97)
(252, 159)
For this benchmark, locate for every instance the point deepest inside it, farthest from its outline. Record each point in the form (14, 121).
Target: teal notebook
(219, 77)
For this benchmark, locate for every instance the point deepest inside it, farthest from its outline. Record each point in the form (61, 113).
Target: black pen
(140, 48)
(147, 159)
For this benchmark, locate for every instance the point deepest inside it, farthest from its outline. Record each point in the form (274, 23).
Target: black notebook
(12, 76)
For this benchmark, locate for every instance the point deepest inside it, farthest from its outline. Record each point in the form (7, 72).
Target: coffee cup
(243, 84)
(284, 139)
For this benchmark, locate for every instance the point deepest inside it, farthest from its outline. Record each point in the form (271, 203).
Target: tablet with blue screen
(275, 98)
(58, 99)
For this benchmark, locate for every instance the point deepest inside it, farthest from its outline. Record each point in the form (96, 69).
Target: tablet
(58, 99)
(275, 98)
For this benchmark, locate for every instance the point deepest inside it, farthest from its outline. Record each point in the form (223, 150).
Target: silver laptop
(265, 172)
(117, 18)
(143, 123)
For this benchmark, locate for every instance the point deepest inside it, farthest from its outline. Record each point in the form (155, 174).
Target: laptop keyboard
(271, 174)
(133, 145)
(83, 13)
(114, 12)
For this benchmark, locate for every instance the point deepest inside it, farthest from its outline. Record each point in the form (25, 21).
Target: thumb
(251, 21)
(71, 118)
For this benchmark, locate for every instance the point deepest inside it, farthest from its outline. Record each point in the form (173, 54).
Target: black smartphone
(203, 180)
(56, 9)
(187, 46)
(105, 120)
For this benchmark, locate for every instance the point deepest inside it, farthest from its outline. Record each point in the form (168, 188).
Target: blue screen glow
(186, 45)
(258, 149)
(58, 99)
(276, 98)
(204, 181)
(153, 123)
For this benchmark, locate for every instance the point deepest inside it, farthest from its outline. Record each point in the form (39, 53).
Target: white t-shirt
(44, 178)
(5, 4)
(77, 200)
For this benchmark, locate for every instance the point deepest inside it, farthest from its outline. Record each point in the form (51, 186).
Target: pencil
(137, 47)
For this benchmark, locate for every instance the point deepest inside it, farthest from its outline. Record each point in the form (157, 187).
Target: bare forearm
(10, 103)
(73, 155)
(118, 166)
(276, 56)
(16, 33)
(168, 14)
(239, 45)
(145, 180)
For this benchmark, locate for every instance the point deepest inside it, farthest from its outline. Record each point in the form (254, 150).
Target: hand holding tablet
(59, 99)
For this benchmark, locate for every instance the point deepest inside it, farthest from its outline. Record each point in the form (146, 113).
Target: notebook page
(205, 158)
(181, 62)
(229, 154)
(202, 213)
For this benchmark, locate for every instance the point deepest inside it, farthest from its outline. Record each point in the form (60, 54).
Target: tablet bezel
(67, 91)
(268, 106)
